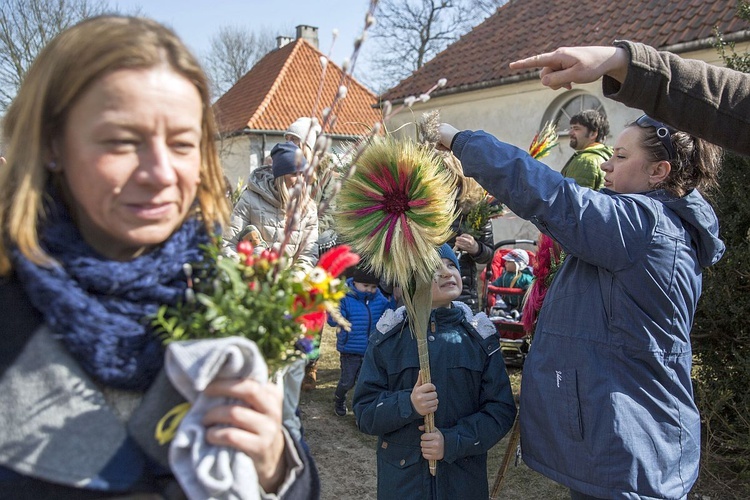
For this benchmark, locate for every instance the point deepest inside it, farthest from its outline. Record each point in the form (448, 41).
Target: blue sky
(196, 21)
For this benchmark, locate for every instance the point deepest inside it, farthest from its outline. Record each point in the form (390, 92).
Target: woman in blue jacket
(606, 400)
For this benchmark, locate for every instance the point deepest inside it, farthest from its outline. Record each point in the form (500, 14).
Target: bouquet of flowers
(259, 297)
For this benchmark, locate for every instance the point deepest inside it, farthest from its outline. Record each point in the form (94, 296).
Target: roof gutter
(264, 133)
(705, 43)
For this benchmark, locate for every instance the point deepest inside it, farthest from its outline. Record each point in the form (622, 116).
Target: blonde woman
(111, 186)
(265, 202)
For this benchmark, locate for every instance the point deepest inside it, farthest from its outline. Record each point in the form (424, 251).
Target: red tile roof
(283, 86)
(522, 28)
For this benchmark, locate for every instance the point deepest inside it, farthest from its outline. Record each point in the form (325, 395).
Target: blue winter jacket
(606, 401)
(475, 409)
(362, 310)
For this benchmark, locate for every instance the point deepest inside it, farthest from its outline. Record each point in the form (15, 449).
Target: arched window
(569, 104)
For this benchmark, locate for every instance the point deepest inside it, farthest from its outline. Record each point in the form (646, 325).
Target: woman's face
(130, 158)
(290, 180)
(628, 171)
(446, 284)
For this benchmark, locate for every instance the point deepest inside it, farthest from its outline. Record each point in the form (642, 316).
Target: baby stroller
(514, 342)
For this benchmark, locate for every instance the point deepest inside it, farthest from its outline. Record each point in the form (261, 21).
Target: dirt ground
(346, 457)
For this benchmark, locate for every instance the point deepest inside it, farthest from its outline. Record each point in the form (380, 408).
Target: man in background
(587, 132)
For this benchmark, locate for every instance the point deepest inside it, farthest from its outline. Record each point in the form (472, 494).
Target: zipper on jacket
(369, 316)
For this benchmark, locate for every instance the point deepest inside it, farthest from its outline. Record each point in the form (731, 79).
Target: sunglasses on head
(663, 132)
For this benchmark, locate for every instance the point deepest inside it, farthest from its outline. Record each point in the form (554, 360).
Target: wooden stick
(513, 438)
(419, 305)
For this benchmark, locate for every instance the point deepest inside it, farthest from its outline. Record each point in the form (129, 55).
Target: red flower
(245, 248)
(269, 255)
(313, 321)
(336, 260)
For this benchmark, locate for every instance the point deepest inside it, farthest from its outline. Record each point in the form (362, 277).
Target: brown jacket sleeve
(707, 101)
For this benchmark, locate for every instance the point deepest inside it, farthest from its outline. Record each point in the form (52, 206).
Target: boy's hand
(433, 444)
(424, 397)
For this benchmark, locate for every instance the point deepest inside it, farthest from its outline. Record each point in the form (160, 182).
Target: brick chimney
(309, 33)
(283, 40)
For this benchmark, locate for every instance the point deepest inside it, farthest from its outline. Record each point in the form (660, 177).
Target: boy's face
(365, 287)
(446, 284)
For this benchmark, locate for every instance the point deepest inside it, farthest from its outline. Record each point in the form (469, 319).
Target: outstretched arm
(707, 101)
(568, 65)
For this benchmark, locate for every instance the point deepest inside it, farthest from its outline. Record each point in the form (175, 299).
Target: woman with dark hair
(607, 403)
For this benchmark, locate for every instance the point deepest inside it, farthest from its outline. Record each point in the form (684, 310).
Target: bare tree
(234, 50)
(408, 33)
(28, 25)
(487, 7)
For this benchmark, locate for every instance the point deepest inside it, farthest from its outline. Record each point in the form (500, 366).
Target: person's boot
(311, 377)
(339, 406)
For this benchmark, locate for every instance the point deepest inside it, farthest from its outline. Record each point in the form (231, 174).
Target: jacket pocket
(398, 455)
(563, 395)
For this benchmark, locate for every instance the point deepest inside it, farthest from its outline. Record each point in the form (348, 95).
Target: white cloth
(290, 377)
(205, 471)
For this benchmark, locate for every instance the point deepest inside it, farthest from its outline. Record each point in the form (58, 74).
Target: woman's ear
(659, 172)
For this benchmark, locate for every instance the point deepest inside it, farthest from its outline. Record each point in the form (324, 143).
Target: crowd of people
(113, 183)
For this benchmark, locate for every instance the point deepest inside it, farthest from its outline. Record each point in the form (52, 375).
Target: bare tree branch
(408, 33)
(234, 51)
(28, 25)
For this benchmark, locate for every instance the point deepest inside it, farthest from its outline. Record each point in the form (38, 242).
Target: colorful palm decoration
(543, 141)
(395, 209)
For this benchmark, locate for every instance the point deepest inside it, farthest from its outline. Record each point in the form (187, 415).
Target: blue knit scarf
(100, 308)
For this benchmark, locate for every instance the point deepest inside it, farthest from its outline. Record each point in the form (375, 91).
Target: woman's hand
(254, 429)
(424, 397)
(467, 243)
(432, 444)
(447, 132)
(569, 65)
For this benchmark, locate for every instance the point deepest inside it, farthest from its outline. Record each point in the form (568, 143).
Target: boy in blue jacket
(470, 395)
(362, 307)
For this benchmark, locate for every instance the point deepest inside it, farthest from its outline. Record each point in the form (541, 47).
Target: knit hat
(301, 129)
(446, 252)
(365, 276)
(520, 257)
(285, 160)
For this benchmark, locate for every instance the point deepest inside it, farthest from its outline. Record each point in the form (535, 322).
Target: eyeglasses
(663, 132)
